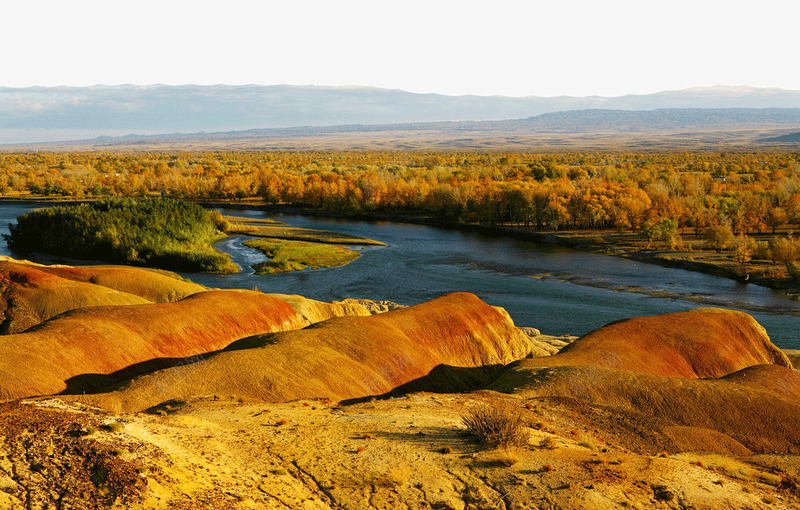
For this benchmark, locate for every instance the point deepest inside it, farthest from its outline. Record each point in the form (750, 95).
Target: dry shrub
(549, 443)
(496, 427)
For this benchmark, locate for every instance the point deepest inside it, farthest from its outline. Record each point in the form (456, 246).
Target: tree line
(747, 192)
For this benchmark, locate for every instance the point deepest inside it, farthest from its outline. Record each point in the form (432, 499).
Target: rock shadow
(442, 379)
(93, 383)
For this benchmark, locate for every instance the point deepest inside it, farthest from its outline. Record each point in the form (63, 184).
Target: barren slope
(104, 340)
(155, 285)
(399, 453)
(342, 358)
(317, 311)
(30, 296)
(751, 407)
(704, 342)
(749, 394)
(32, 293)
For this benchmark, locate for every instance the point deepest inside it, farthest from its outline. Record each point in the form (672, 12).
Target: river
(555, 289)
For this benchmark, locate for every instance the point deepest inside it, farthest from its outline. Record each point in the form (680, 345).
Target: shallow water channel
(554, 289)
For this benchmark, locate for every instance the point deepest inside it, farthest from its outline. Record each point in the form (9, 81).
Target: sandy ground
(410, 452)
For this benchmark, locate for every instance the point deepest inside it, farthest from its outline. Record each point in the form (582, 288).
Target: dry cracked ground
(407, 452)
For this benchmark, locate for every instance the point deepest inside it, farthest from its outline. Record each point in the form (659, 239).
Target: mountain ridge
(48, 114)
(660, 129)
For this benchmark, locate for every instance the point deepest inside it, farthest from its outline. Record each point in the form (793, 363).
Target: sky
(498, 47)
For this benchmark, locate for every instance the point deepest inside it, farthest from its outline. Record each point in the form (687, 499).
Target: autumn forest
(722, 197)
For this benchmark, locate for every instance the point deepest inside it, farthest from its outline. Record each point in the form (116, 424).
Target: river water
(555, 289)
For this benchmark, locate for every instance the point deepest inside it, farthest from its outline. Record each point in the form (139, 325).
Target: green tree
(665, 230)
(718, 237)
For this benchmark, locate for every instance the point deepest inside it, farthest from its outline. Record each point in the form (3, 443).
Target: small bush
(496, 427)
(395, 476)
(112, 427)
(549, 443)
(662, 493)
(504, 457)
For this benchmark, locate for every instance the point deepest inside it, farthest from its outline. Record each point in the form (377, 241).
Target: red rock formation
(342, 358)
(32, 293)
(704, 342)
(707, 379)
(103, 340)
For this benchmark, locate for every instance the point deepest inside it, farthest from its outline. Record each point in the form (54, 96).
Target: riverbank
(295, 249)
(693, 256)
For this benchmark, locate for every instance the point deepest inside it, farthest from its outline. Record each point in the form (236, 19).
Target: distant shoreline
(581, 240)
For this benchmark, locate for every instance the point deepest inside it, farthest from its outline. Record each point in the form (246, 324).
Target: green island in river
(175, 235)
(294, 249)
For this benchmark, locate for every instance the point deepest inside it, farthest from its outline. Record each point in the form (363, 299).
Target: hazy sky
(517, 48)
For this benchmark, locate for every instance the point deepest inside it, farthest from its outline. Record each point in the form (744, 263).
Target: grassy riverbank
(175, 235)
(692, 255)
(295, 249)
(297, 255)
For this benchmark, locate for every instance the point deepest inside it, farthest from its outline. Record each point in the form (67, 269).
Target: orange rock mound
(706, 379)
(704, 342)
(342, 358)
(32, 293)
(107, 339)
(155, 285)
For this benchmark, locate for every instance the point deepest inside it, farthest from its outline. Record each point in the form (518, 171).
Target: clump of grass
(395, 476)
(114, 426)
(226, 224)
(495, 427)
(503, 457)
(549, 443)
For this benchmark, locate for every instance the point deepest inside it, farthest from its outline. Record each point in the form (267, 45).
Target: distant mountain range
(44, 114)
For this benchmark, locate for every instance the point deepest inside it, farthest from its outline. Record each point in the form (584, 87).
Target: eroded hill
(32, 293)
(341, 358)
(257, 401)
